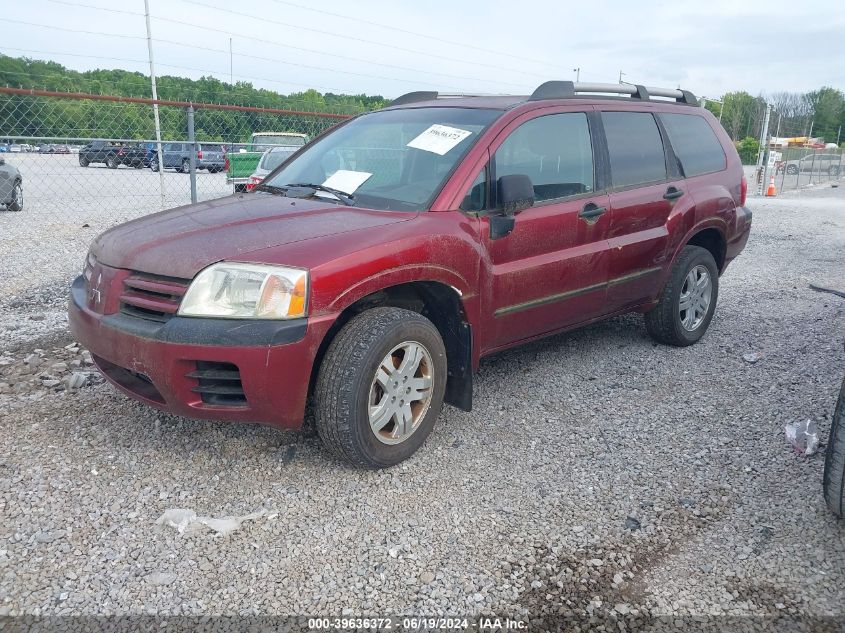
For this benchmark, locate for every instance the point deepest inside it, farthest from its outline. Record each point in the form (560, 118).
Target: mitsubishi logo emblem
(95, 291)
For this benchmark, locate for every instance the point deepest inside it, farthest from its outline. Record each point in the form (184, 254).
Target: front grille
(152, 297)
(218, 384)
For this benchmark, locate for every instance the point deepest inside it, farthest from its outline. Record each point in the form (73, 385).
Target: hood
(182, 241)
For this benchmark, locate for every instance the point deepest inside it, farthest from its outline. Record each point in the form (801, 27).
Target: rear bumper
(152, 361)
(740, 237)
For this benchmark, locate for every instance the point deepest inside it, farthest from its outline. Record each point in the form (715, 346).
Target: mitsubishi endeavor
(371, 270)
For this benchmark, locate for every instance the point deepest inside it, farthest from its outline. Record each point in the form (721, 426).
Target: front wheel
(834, 461)
(186, 166)
(154, 164)
(111, 162)
(16, 204)
(380, 387)
(83, 162)
(688, 301)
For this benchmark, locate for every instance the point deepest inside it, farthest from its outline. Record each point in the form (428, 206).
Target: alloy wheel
(401, 392)
(696, 294)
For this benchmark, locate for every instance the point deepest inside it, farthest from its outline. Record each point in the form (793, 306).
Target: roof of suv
(547, 91)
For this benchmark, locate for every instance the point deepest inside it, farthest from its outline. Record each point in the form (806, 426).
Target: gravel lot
(600, 475)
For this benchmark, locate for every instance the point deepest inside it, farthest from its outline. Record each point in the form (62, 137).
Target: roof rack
(564, 89)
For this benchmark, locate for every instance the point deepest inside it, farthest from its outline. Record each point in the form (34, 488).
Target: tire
(834, 460)
(664, 322)
(83, 162)
(185, 167)
(16, 204)
(348, 386)
(792, 169)
(240, 188)
(111, 162)
(154, 164)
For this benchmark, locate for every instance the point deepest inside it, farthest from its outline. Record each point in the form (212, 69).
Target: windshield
(391, 159)
(275, 157)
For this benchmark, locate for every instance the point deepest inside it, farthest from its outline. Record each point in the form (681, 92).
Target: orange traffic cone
(771, 191)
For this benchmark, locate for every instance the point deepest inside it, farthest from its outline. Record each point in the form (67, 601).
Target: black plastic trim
(201, 330)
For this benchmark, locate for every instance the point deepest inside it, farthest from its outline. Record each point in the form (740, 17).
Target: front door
(550, 271)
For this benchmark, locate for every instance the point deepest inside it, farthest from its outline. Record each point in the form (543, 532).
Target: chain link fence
(88, 162)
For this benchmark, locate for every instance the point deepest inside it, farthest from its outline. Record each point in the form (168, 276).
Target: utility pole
(621, 74)
(764, 141)
(577, 72)
(159, 156)
(838, 136)
(231, 66)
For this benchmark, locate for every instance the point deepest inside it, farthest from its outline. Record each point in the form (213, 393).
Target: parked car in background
(271, 159)
(11, 186)
(372, 271)
(819, 163)
(46, 148)
(112, 155)
(4, 148)
(242, 164)
(178, 156)
(61, 149)
(15, 148)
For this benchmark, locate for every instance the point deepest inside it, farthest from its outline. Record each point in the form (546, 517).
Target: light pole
(621, 74)
(577, 72)
(159, 157)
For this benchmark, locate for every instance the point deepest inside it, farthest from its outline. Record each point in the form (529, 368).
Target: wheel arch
(713, 240)
(439, 302)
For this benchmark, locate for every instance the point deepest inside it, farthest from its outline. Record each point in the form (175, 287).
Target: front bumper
(157, 363)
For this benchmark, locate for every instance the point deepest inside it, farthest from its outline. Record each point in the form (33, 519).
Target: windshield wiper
(271, 189)
(342, 196)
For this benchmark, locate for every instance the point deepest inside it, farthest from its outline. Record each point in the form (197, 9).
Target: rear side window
(554, 151)
(635, 146)
(694, 143)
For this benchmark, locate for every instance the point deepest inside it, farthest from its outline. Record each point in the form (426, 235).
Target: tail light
(120, 152)
(253, 180)
(743, 191)
(199, 154)
(226, 163)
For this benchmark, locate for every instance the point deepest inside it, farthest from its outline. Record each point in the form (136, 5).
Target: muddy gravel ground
(601, 478)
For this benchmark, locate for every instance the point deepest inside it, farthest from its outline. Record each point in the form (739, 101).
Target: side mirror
(515, 193)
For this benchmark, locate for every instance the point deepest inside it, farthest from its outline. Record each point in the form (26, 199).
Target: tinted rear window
(695, 144)
(636, 149)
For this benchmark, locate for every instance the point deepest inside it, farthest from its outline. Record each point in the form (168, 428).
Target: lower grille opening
(135, 382)
(218, 384)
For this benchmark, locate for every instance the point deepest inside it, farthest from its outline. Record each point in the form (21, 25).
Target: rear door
(550, 271)
(645, 186)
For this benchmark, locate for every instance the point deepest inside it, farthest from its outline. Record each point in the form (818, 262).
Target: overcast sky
(452, 45)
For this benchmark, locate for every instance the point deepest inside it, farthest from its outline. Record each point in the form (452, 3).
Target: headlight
(247, 291)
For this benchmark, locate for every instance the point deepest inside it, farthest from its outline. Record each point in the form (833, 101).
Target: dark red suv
(373, 269)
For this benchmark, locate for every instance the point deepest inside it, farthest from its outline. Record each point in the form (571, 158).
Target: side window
(554, 151)
(635, 146)
(695, 144)
(476, 198)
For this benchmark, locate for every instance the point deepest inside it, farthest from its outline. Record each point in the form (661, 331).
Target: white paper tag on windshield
(439, 139)
(346, 181)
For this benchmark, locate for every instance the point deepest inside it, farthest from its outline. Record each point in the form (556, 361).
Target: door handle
(672, 193)
(591, 211)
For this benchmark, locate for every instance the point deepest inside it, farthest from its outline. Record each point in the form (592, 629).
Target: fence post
(193, 155)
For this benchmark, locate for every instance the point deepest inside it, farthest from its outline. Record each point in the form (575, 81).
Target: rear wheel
(83, 162)
(186, 166)
(792, 169)
(380, 387)
(111, 162)
(834, 461)
(16, 203)
(688, 301)
(154, 164)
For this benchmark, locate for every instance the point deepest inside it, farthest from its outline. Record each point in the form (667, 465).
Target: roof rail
(425, 95)
(565, 89)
